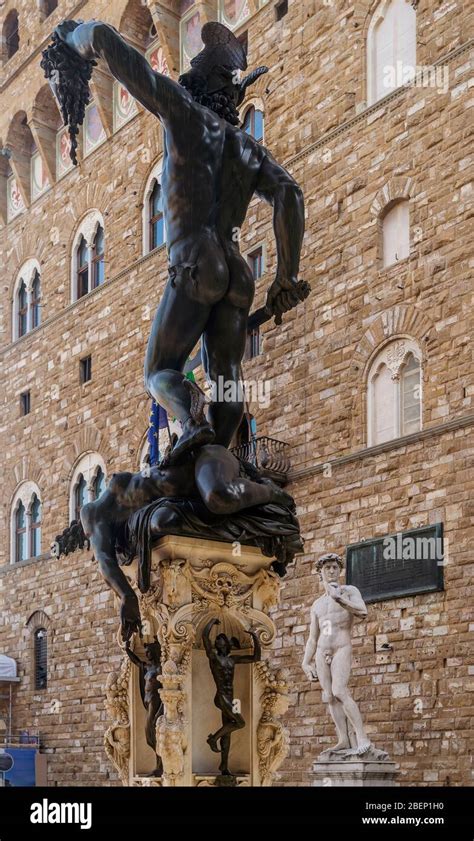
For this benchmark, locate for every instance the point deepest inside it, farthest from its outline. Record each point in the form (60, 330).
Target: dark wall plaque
(400, 564)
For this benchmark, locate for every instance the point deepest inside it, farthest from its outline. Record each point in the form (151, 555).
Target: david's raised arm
(94, 39)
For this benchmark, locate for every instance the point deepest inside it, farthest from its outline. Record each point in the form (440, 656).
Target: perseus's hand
(130, 617)
(284, 294)
(77, 35)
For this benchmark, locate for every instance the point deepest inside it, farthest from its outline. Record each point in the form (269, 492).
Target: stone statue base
(344, 768)
(193, 581)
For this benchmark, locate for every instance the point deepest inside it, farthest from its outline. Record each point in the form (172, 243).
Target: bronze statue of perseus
(211, 171)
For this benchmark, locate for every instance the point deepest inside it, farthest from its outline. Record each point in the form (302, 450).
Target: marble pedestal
(193, 581)
(358, 772)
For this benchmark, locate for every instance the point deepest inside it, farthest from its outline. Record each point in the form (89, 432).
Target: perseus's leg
(223, 350)
(198, 280)
(223, 490)
(176, 329)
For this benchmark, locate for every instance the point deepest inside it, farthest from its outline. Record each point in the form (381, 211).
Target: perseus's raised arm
(94, 39)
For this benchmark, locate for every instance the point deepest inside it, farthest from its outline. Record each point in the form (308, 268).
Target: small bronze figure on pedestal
(222, 664)
(150, 686)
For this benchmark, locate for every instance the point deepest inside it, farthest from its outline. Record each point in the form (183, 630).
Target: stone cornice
(396, 444)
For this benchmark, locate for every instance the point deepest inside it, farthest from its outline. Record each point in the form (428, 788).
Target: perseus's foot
(279, 495)
(211, 741)
(193, 435)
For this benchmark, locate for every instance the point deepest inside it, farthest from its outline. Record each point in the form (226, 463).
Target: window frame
(87, 231)
(39, 685)
(21, 532)
(22, 311)
(35, 525)
(35, 302)
(402, 348)
(86, 465)
(24, 495)
(157, 217)
(155, 175)
(376, 20)
(97, 259)
(252, 109)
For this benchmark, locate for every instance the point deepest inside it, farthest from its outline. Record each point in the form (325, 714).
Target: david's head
(329, 567)
(214, 77)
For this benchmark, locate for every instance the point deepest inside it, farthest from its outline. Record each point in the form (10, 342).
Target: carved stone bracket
(273, 741)
(117, 736)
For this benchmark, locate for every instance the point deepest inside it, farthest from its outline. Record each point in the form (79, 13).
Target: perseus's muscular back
(218, 163)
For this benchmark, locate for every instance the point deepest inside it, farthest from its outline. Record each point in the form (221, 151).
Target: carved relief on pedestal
(272, 736)
(117, 737)
(172, 726)
(222, 591)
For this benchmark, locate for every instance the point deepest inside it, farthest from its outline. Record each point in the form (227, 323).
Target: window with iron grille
(253, 343)
(41, 658)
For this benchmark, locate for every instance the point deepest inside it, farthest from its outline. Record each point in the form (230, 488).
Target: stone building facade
(357, 156)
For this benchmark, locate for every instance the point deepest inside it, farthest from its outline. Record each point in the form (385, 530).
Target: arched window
(35, 527)
(80, 496)
(11, 38)
(99, 483)
(22, 309)
(26, 523)
(394, 392)
(233, 13)
(41, 658)
(82, 269)
(26, 299)
(36, 301)
(98, 258)
(157, 222)
(20, 532)
(154, 229)
(396, 233)
(88, 260)
(254, 123)
(391, 48)
(88, 481)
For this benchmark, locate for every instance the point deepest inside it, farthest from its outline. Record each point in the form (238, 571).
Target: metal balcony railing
(21, 738)
(269, 455)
